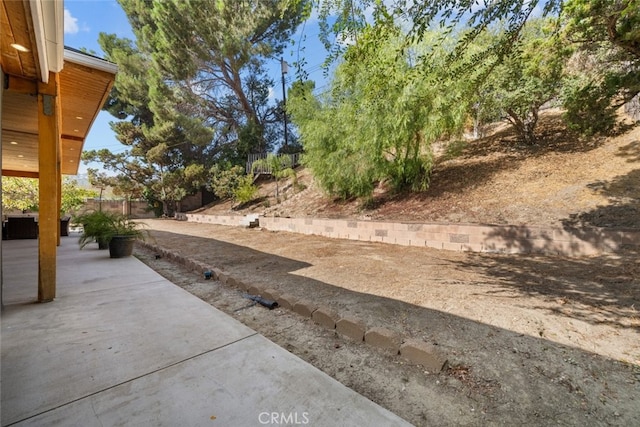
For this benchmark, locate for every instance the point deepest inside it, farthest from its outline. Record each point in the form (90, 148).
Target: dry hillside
(495, 180)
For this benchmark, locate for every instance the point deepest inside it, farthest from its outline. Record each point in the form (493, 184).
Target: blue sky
(86, 19)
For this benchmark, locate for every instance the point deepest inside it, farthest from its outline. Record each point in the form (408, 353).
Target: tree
(156, 124)
(379, 119)
(214, 57)
(73, 197)
(191, 91)
(343, 19)
(22, 194)
(529, 77)
(224, 180)
(605, 71)
(615, 22)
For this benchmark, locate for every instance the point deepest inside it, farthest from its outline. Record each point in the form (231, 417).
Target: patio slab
(121, 345)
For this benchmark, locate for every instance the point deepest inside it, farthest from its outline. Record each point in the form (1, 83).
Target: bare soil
(530, 339)
(564, 180)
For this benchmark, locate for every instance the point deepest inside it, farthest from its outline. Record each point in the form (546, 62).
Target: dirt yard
(531, 340)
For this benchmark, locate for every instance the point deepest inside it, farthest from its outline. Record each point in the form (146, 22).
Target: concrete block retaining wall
(456, 237)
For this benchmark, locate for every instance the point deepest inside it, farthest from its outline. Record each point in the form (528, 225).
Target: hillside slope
(495, 180)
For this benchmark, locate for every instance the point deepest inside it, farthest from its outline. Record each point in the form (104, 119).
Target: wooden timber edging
(509, 239)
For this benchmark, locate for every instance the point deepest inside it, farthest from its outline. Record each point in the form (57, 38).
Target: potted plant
(96, 227)
(114, 231)
(122, 235)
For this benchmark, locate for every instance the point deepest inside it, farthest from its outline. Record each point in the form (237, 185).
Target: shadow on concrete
(526, 377)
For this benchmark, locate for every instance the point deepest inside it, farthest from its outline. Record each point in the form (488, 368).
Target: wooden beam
(22, 85)
(59, 171)
(73, 138)
(48, 147)
(20, 174)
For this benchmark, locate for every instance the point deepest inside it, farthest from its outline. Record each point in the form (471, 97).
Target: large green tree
(215, 56)
(379, 119)
(605, 71)
(157, 128)
(343, 19)
(192, 91)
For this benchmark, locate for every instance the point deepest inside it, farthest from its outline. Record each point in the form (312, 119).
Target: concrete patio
(121, 345)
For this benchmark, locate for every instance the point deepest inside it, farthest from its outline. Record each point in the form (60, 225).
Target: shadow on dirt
(501, 151)
(531, 378)
(598, 290)
(611, 228)
(623, 193)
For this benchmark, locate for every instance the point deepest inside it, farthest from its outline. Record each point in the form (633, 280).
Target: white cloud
(272, 94)
(70, 23)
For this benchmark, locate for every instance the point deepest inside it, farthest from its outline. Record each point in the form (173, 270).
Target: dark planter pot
(64, 226)
(121, 246)
(103, 244)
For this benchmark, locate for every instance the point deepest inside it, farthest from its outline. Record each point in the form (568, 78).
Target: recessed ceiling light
(13, 143)
(20, 155)
(19, 47)
(76, 130)
(79, 117)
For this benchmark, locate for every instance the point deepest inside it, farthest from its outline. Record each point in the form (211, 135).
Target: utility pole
(285, 70)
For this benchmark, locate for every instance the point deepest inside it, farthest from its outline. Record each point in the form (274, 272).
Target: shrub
(246, 191)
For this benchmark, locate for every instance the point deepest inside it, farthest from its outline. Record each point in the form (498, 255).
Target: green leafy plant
(95, 227)
(101, 227)
(73, 196)
(22, 194)
(225, 180)
(245, 191)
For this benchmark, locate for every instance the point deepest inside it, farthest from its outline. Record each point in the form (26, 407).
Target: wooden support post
(48, 222)
(59, 178)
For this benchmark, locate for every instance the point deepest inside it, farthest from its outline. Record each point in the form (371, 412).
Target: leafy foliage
(613, 22)
(225, 181)
(192, 91)
(245, 191)
(22, 194)
(343, 20)
(605, 71)
(100, 226)
(529, 77)
(214, 58)
(73, 196)
(380, 117)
